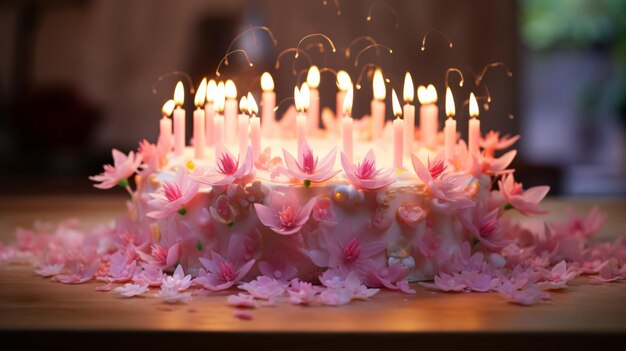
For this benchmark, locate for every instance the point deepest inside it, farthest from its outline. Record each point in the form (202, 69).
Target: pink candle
(255, 137)
(398, 132)
(242, 127)
(409, 115)
(302, 100)
(230, 112)
(449, 130)
(179, 119)
(165, 125)
(474, 127)
(300, 130)
(199, 126)
(429, 124)
(378, 105)
(343, 83)
(218, 138)
(268, 103)
(209, 111)
(346, 124)
(313, 112)
(255, 128)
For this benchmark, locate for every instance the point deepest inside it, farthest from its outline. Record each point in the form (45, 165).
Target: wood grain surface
(29, 302)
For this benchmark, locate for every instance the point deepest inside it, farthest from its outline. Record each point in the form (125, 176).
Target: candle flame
(179, 94)
(267, 83)
(168, 107)
(397, 109)
(427, 95)
(379, 85)
(343, 81)
(200, 94)
(409, 89)
(297, 99)
(347, 101)
(253, 108)
(243, 104)
(211, 88)
(230, 89)
(305, 95)
(313, 77)
(220, 95)
(473, 106)
(450, 109)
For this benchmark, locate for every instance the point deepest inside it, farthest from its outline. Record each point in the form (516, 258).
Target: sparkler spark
(356, 60)
(223, 60)
(174, 73)
(391, 9)
(255, 28)
(432, 30)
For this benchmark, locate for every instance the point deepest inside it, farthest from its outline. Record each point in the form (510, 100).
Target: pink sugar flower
(480, 282)
(527, 296)
(560, 272)
(161, 257)
(524, 201)
(278, 268)
(223, 211)
(118, 173)
(323, 210)
(447, 282)
(241, 300)
(266, 162)
(445, 187)
(284, 215)
(220, 274)
(364, 175)
(430, 244)
(178, 279)
(302, 293)
(79, 273)
(172, 197)
(263, 288)
(392, 277)
(170, 293)
(492, 142)
(149, 275)
(307, 168)
(483, 224)
(411, 214)
(229, 169)
(498, 166)
(132, 290)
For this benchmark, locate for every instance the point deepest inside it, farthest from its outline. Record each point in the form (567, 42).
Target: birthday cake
(321, 207)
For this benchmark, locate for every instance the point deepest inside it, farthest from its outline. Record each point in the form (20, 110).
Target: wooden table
(31, 304)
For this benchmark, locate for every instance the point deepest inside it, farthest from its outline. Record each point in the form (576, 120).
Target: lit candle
(313, 112)
(409, 115)
(429, 124)
(218, 120)
(449, 131)
(343, 84)
(255, 128)
(398, 131)
(165, 130)
(179, 119)
(346, 124)
(474, 127)
(243, 125)
(230, 112)
(199, 126)
(209, 111)
(378, 104)
(301, 97)
(268, 103)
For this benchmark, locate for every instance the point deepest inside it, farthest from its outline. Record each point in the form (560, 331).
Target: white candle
(409, 115)
(398, 132)
(378, 105)
(179, 119)
(474, 127)
(199, 126)
(346, 124)
(429, 124)
(165, 125)
(268, 103)
(230, 112)
(449, 131)
(255, 128)
(343, 83)
(242, 127)
(313, 112)
(209, 111)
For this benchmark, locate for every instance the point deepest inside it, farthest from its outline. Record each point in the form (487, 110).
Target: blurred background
(77, 76)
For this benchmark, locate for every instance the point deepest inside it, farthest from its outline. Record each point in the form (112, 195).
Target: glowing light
(379, 85)
(397, 109)
(168, 107)
(409, 89)
(427, 95)
(313, 77)
(220, 96)
(243, 104)
(253, 108)
(347, 102)
(200, 94)
(343, 81)
(230, 89)
(179, 94)
(267, 82)
(211, 88)
(450, 109)
(305, 95)
(473, 106)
